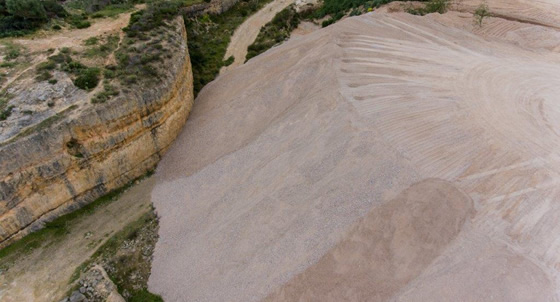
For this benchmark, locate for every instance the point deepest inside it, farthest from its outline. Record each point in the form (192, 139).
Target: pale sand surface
(388, 157)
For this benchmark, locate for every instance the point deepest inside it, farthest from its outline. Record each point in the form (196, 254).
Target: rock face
(211, 7)
(88, 150)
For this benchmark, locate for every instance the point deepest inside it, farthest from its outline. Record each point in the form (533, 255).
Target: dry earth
(43, 275)
(73, 38)
(247, 32)
(386, 157)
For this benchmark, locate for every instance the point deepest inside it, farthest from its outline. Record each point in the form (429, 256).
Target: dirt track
(247, 32)
(43, 275)
(441, 135)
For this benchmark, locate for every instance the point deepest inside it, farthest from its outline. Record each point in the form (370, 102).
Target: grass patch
(104, 49)
(11, 51)
(113, 10)
(91, 41)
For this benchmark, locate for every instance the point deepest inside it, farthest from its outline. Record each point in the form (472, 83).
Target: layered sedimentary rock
(212, 7)
(87, 150)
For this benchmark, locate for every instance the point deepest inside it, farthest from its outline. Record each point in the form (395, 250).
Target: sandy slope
(247, 32)
(386, 157)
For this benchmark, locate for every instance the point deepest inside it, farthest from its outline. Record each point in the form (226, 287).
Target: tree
(480, 13)
(27, 9)
(3, 10)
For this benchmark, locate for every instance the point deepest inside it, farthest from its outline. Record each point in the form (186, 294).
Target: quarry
(279, 150)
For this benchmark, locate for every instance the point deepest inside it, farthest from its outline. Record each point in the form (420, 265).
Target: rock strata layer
(91, 149)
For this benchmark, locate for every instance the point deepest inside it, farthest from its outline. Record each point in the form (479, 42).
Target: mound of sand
(386, 157)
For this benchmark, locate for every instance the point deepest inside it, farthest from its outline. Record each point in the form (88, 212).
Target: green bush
(54, 9)
(145, 296)
(27, 9)
(88, 78)
(73, 67)
(48, 65)
(78, 21)
(481, 12)
(4, 114)
(20, 17)
(108, 92)
(275, 31)
(91, 41)
(432, 6)
(229, 61)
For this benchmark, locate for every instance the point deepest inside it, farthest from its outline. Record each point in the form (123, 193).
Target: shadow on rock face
(387, 249)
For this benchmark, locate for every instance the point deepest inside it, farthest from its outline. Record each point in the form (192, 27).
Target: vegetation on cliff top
(209, 37)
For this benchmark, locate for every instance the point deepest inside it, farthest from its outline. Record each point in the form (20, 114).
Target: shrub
(275, 32)
(87, 79)
(480, 13)
(108, 92)
(108, 74)
(54, 9)
(229, 61)
(78, 21)
(144, 296)
(48, 65)
(4, 114)
(27, 9)
(12, 53)
(437, 6)
(433, 6)
(43, 76)
(61, 58)
(91, 41)
(73, 67)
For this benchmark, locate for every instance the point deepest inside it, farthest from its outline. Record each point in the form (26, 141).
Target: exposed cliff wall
(86, 152)
(212, 7)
